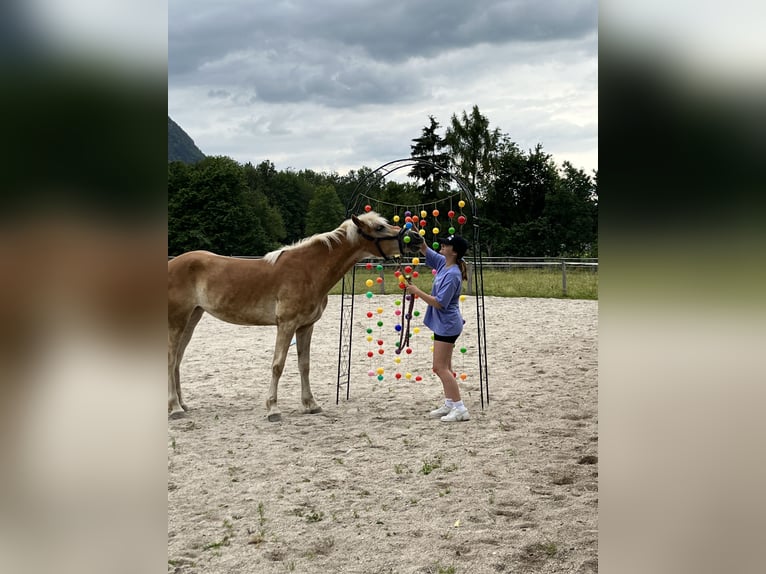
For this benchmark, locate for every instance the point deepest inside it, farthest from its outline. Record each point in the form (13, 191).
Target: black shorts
(446, 338)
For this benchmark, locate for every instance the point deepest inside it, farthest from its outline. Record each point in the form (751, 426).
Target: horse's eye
(381, 228)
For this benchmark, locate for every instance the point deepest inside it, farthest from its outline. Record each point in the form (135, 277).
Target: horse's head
(387, 241)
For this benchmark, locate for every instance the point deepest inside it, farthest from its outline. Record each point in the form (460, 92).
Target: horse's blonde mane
(344, 230)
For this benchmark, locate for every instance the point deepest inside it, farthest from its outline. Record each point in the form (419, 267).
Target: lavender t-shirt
(447, 285)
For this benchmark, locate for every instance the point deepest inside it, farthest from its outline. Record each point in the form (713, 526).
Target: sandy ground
(372, 485)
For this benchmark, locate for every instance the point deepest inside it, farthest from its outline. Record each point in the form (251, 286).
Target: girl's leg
(443, 370)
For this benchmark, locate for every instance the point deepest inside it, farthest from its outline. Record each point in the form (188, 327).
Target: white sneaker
(441, 411)
(456, 415)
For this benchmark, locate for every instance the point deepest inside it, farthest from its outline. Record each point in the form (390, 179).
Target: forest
(526, 204)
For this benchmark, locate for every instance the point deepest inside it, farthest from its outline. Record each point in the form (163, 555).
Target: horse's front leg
(303, 343)
(284, 334)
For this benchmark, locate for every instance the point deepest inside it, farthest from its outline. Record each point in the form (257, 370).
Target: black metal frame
(347, 299)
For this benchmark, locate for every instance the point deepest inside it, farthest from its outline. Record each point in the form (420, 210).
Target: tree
(325, 211)
(427, 147)
(473, 148)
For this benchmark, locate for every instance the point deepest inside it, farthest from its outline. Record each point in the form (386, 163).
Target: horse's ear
(356, 221)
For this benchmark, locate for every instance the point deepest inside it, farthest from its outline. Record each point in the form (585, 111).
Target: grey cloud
(339, 53)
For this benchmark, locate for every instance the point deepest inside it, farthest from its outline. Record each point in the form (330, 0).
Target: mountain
(180, 146)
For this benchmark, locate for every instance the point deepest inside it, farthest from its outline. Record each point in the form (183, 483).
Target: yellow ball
(369, 283)
(424, 214)
(422, 232)
(407, 375)
(380, 370)
(462, 297)
(396, 219)
(369, 338)
(379, 310)
(461, 203)
(397, 360)
(436, 230)
(416, 260)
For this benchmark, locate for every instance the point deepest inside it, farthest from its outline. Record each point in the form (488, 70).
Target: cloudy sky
(334, 85)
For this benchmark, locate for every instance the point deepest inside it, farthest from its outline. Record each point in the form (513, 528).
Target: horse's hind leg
(281, 346)
(179, 336)
(303, 343)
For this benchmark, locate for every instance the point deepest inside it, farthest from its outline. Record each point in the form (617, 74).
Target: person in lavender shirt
(444, 319)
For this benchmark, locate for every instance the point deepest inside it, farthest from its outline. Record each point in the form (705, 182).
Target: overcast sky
(334, 85)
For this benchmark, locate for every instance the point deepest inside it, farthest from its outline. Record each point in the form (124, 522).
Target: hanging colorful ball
(379, 280)
(380, 377)
(423, 223)
(398, 375)
(369, 294)
(408, 350)
(371, 373)
(379, 267)
(369, 314)
(433, 271)
(415, 219)
(380, 341)
(380, 370)
(407, 376)
(463, 376)
(370, 354)
(422, 232)
(462, 297)
(407, 269)
(436, 246)
(424, 213)
(408, 219)
(369, 283)
(397, 360)
(461, 204)
(463, 350)
(381, 351)
(407, 225)
(369, 330)
(416, 260)
(379, 310)
(369, 338)
(380, 323)
(368, 266)
(417, 313)
(407, 239)
(397, 328)
(418, 378)
(415, 274)
(461, 220)
(435, 213)
(407, 213)
(368, 208)
(416, 330)
(451, 231)
(450, 214)
(398, 302)
(396, 219)
(436, 231)
(397, 312)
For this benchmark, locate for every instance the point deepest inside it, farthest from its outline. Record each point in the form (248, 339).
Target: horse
(287, 288)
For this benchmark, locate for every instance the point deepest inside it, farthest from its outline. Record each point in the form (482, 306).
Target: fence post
(564, 277)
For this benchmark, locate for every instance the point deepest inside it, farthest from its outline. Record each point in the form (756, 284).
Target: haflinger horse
(287, 288)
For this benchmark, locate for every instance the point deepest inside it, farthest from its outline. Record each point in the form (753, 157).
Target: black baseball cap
(459, 244)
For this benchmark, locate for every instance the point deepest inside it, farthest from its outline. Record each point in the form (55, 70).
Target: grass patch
(581, 282)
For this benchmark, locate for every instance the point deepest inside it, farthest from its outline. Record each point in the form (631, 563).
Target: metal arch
(347, 299)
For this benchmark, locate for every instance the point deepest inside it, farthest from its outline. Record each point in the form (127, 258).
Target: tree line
(528, 206)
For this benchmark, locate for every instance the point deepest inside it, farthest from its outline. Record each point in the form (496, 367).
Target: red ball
(369, 314)
(398, 375)
(461, 220)
(408, 269)
(370, 354)
(408, 351)
(368, 208)
(381, 351)
(380, 341)
(368, 266)
(418, 378)
(450, 214)
(415, 274)
(423, 223)
(436, 213)
(379, 279)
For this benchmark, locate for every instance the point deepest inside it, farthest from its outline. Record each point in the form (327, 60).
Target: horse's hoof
(274, 417)
(314, 410)
(177, 415)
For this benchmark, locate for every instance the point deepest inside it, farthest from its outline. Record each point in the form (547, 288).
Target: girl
(444, 319)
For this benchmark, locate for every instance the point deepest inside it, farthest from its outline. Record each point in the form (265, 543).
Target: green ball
(452, 231)
(379, 267)
(417, 313)
(380, 377)
(369, 294)
(463, 349)
(369, 330)
(398, 302)
(407, 239)
(435, 245)
(380, 323)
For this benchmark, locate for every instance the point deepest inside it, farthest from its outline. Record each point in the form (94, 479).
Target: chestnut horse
(287, 288)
